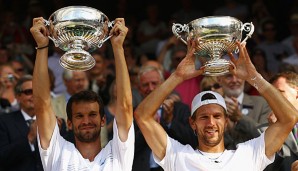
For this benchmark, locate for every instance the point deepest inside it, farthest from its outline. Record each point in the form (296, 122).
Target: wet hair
(84, 96)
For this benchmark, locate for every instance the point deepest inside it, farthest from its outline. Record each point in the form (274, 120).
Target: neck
(30, 112)
(212, 149)
(89, 150)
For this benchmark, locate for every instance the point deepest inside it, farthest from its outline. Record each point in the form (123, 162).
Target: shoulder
(255, 99)
(10, 116)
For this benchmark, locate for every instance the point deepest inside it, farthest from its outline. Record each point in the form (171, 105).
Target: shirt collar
(26, 116)
(240, 98)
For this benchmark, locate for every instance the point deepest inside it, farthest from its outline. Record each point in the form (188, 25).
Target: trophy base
(77, 60)
(217, 67)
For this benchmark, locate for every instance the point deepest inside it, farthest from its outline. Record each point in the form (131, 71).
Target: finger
(120, 20)
(35, 20)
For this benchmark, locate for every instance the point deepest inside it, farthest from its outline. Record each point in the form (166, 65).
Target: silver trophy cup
(78, 30)
(215, 37)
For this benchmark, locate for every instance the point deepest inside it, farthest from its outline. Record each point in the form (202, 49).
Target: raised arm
(153, 132)
(286, 114)
(124, 109)
(45, 116)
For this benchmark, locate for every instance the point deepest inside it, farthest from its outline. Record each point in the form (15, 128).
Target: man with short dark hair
(85, 114)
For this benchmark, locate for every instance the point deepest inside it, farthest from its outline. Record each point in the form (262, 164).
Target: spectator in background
(210, 83)
(8, 81)
(287, 83)
(151, 30)
(100, 76)
(245, 112)
(75, 81)
(293, 59)
(18, 133)
(237, 101)
(19, 68)
(172, 116)
(289, 40)
(274, 50)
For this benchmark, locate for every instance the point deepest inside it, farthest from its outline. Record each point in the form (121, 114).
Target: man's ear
(103, 121)
(192, 123)
(69, 124)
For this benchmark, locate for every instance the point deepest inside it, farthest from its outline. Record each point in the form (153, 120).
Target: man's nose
(151, 87)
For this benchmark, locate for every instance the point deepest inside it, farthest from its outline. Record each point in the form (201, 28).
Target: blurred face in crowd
(232, 86)
(177, 58)
(77, 83)
(210, 83)
(25, 98)
(288, 91)
(18, 67)
(8, 76)
(148, 82)
(99, 65)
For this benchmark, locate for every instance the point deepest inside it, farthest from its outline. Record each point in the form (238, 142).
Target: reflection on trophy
(78, 30)
(215, 36)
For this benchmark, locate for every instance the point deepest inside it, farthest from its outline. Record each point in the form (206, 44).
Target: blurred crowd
(152, 53)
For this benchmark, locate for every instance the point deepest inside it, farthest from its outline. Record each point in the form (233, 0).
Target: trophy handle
(47, 24)
(248, 27)
(110, 24)
(178, 28)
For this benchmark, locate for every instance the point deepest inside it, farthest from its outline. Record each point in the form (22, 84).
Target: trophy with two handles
(215, 36)
(78, 30)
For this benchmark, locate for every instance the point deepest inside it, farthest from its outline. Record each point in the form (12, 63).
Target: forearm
(285, 113)
(41, 91)
(123, 113)
(282, 108)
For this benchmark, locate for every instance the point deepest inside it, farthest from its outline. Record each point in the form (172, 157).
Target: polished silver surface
(215, 37)
(78, 30)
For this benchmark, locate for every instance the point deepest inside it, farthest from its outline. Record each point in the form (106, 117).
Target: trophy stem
(77, 60)
(77, 44)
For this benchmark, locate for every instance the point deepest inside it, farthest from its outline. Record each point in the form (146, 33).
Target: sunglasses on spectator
(215, 86)
(27, 92)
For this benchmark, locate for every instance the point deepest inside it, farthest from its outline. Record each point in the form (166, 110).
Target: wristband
(41, 47)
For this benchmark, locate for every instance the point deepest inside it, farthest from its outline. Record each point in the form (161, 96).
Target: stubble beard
(88, 136)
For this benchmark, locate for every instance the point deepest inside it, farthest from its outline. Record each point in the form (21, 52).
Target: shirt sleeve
(257, 147)
(50, 155)
(123, 152)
